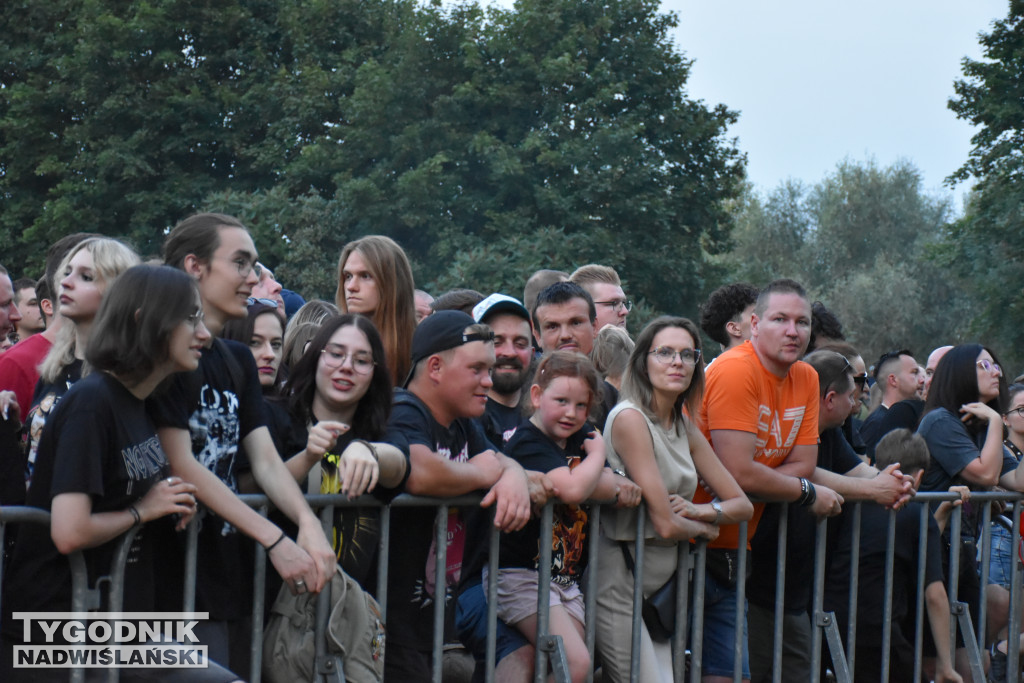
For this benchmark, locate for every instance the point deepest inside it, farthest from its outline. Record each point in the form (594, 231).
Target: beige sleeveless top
(672, 453)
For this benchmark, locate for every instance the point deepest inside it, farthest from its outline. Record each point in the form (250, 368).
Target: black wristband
(808, 494)
(274, 544)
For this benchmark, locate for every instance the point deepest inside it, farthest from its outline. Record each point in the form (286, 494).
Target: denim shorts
(1000, 568)
(719, 630)
(471, 626)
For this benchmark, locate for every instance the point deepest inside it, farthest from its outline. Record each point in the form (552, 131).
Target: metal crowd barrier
(687, 640)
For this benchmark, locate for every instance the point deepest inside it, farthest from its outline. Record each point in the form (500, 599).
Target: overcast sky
(816, 82)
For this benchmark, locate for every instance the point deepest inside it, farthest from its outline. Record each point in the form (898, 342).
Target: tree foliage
(488, 142)
(122, 117)
(986, 246)
(864, 241)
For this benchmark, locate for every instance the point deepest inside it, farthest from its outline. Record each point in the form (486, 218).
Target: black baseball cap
(442, 331)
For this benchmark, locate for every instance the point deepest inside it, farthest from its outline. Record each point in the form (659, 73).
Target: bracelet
(373, 449)
(274, 544)
(620, 472)
(136, 516)
(807, 493)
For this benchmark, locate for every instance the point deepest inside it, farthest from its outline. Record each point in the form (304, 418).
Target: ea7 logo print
(775, 437)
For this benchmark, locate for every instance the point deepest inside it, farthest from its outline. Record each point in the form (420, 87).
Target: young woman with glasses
(339, 399)
(963, 427)
(1003, 552)
(101, 471)
(652, 441)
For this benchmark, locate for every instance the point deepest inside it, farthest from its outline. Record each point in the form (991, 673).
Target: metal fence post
(780, 593)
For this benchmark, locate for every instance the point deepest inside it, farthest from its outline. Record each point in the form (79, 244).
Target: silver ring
(300, 584)
(169, 481)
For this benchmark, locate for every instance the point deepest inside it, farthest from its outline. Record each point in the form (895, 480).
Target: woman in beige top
(650, 437)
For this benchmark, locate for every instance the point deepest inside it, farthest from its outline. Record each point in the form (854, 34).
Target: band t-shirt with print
(535, 450)
(100, 441)
(411, 573)
(782, 412)
(218, 415)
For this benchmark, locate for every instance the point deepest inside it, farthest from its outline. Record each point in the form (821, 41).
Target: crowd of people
(143, 395)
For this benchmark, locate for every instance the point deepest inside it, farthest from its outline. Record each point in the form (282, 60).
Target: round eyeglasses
(334, 357)
(666, 354)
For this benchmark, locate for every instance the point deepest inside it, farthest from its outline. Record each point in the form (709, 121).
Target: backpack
(355, 634)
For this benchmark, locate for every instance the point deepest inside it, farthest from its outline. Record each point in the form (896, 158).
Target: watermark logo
(103, 640)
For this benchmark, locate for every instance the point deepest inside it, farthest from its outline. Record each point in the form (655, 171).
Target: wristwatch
(620, 472)
(717, 507)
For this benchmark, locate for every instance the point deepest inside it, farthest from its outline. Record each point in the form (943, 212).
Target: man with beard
(513, 350)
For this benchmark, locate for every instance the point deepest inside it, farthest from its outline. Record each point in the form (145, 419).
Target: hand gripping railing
(691, 564)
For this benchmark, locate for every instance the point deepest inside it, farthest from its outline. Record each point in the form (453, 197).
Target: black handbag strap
(627, 557)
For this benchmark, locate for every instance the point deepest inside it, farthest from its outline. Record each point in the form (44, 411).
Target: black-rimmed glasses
(617, 304)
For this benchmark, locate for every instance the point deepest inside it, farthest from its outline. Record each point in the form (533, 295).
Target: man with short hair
(433, 422)
(760, 413)
(539, 281)
(725, 316)
(32, 320)
(896, 372)
(458, 299)
(9, 313)
(604, 287)
(838, 468)
(513, 351)
(423, 301)
(267, 287)
(929, 368)
(565, 319)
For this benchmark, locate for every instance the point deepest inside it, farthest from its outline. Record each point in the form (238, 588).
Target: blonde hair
(593, 273)
(110, 258)
(611, 351)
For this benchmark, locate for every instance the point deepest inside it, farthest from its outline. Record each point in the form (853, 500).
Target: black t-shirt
(355, 533)
(99, 441)
(874, 529)
(534, 450)
(219, 404)
(834, 454)
(500, 422)
(870, 429)
(44, 399)
(411, 578)
(901, 415)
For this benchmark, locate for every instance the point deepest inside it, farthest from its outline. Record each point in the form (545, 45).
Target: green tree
(986, 246)
(121, 117)
(555, 133)
(863, 240)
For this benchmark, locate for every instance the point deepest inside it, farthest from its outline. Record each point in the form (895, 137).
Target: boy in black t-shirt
(911, 452)
(449, 456)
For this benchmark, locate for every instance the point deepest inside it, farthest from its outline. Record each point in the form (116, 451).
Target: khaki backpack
(355, 634)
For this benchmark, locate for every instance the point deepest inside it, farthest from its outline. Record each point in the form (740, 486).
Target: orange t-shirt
(741, 395)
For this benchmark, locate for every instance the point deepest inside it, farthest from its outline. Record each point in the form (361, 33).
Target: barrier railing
(687, 641)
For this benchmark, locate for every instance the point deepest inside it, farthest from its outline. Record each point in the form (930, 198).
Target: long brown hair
(395, 317)
(636, 381)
